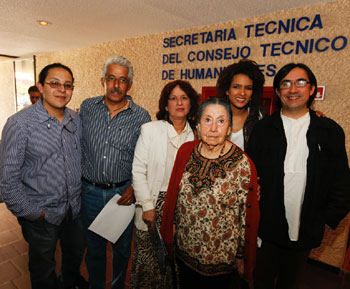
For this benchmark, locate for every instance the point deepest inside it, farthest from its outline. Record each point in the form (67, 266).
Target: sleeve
(339, 196)
(253, 144)
(82, 110)
(251, 223)
(142, 192)
(167, 228)
(242, 215)
(12, 154)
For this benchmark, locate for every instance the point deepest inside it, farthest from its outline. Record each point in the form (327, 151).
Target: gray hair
(119, 60)
(217, 101)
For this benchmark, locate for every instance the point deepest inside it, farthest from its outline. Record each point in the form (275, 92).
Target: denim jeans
(42, 238)
(93, 201)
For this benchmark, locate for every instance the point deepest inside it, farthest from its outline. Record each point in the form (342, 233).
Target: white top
(295, 170)
(174, 142)
(149, 166)
(237, 138)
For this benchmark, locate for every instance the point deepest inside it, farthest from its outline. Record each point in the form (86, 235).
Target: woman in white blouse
(154, 158)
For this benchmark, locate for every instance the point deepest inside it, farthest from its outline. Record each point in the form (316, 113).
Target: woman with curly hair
(242, 85)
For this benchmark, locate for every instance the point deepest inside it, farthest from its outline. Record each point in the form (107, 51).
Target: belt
(106, 186)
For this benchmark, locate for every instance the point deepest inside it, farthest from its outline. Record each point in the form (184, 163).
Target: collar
(44, 116)
(172, 132)
(296, 120)
(101, 100)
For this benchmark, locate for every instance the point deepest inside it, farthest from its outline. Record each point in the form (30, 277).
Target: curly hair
(163, 114)
(246, 67)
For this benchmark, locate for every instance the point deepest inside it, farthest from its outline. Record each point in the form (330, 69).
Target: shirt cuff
(147, 205)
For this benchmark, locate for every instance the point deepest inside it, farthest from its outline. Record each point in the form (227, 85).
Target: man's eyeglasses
(57, 85)
(112, 78)
(300, 83)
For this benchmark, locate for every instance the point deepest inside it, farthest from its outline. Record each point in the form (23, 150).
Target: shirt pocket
(123, 139)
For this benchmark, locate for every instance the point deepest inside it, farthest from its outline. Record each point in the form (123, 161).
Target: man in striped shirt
(111, 126)
(40, 171)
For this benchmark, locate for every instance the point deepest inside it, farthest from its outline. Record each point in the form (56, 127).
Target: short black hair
(33, 88)
(284, 71)
(43, 73)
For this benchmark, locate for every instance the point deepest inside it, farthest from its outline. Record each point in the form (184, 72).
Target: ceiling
(79, 23)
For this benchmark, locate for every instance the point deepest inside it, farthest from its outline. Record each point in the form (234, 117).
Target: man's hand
(42, 216)
(128, 197)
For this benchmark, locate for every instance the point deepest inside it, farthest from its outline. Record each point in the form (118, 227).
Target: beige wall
(331, 67)
(7, 95)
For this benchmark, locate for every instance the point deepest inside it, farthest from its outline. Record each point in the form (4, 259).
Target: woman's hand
(240, 266)
(258, 191)
(149, 217)
(320, 114)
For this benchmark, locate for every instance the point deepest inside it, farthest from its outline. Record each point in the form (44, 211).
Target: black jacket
(327, 192)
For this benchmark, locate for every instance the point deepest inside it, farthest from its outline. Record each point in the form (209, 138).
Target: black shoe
(81, 283)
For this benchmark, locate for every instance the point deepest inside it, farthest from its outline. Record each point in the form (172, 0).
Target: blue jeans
(42, 238)
(93, 201)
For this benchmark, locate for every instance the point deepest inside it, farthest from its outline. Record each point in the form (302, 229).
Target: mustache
(115, 90)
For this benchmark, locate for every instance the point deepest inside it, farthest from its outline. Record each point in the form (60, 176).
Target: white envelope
(112, 221)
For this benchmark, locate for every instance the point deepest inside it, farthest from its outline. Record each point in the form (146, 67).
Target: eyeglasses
(57, 85)
(112, 78)
(300, 83)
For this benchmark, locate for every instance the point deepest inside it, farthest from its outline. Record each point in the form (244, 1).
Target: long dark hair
(163, 114)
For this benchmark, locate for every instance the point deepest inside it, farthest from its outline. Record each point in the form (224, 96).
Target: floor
(14, 272)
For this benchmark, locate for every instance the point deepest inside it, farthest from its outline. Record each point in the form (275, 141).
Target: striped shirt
(108, 144)
(40, 164)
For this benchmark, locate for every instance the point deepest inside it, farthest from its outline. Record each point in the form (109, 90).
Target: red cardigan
(252, 216)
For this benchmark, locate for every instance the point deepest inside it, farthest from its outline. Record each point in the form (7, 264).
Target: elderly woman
(154, 158)
(242, 85)
(212, 200)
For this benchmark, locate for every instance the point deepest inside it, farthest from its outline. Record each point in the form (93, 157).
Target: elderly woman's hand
(240, 266)
(258, 191)
(149, 217)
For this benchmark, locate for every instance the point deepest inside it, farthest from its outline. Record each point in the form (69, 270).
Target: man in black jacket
(304, 177)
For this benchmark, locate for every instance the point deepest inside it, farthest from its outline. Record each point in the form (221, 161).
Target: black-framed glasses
(300, 83)
(57, 85)
(121, 80)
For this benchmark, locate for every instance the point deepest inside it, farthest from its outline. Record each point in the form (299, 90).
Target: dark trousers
(93, 201)
(278, 267)
(42, 238)
(189, 277)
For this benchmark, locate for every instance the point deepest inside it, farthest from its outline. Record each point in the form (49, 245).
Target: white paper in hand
(112, 221)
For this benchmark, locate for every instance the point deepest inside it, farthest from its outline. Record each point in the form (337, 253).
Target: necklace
(119, 108)
(221, 151)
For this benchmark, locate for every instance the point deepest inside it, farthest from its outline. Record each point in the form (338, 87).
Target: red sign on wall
(320, 92)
